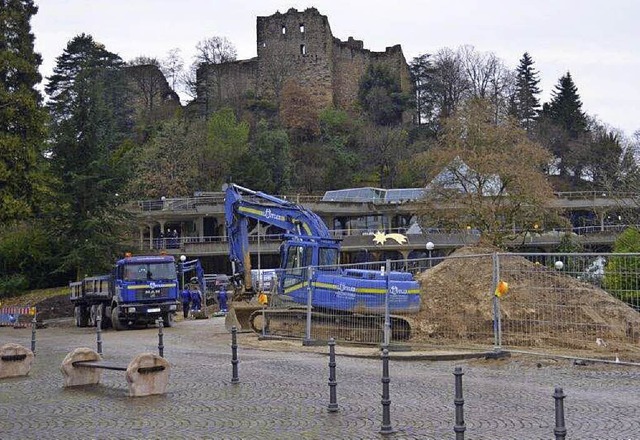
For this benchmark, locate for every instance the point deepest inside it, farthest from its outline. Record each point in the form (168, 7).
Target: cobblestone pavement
(284, 394)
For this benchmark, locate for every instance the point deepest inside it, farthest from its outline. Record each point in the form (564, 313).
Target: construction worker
(196, 299)
(222, 299)
(185, 295)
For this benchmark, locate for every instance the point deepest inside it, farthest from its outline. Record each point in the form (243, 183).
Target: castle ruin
(297, 46)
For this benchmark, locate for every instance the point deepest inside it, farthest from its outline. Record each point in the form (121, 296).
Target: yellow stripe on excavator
(330, 286)
(251, 210)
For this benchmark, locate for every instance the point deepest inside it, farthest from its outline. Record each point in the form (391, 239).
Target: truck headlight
(131, 310)
(173, 307)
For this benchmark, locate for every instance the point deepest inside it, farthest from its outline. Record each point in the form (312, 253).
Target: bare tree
(451, 85)
(485, 176)
(172, 67)
(199, 80)
(385, 146)
(149, 83)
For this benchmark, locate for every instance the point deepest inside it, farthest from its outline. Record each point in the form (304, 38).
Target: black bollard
(333, 401)
(560, 430)
(234, 355)
(99, 331)
(459, 428)
(386, 427)
(33, 334)
(160, 337)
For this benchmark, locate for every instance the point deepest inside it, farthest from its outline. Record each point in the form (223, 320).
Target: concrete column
(199, 223)
(150, 226)
(141, 229)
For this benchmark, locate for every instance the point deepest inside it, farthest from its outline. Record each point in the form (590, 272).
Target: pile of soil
(543, 307)
(55, 307)
(48, 306)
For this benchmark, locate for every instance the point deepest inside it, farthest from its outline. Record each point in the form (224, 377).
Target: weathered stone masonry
(297, 46)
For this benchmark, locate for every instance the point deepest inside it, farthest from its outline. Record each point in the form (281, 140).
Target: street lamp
(183, 258)
(430, 247)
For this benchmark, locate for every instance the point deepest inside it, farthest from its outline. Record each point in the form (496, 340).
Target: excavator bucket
(238, 316)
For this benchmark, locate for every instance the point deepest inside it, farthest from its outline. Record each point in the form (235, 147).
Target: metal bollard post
(333, 401)
(33, 334)
(234, 355)
(560, 430)
(160, 337)
(386, 427)
(99, 331)
(459, 428)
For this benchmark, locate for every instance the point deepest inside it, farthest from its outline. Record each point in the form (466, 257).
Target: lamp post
(430, 247)
(183, 258)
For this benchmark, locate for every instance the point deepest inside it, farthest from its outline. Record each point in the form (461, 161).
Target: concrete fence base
(15, 360)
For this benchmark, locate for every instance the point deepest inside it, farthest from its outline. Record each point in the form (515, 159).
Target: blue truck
(139, 290)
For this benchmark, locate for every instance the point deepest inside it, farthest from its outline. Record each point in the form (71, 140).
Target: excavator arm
(242, 204)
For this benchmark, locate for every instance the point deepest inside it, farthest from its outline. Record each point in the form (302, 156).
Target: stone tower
(298, 46)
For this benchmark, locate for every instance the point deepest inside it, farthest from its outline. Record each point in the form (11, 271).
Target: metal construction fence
(583, 304)
(16, 316)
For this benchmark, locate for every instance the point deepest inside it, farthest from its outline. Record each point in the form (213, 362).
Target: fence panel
(571, 302)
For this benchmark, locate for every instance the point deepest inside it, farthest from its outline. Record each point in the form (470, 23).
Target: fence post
(33, 333)
(99, 330)
(560, 430)
(333, 401)
(234, 355)
(497, 323)
(307, 331)
(160, 337)
(459, 428)
(386, 427)
(387, 318)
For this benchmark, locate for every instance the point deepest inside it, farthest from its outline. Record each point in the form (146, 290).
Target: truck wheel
(115, 320)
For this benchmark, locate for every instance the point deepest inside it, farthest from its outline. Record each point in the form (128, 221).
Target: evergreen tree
(381, 97)
(565, 108)
(563, 127)
(267, 163)
(525, 100)
(422, 72)
(23, 181)
(89, 112)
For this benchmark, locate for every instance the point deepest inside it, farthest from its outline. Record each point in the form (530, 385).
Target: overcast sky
(596, 40)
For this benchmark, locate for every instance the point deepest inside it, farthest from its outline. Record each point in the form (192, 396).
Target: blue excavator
(351, 298)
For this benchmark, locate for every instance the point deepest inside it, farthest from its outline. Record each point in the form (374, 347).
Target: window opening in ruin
(284, 30)
(302, 28)
(303, 49)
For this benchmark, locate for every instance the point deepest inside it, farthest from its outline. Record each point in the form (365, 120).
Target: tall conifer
(22, 116)
(526, 104)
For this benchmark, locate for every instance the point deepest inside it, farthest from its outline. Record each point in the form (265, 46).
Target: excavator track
(292, 322)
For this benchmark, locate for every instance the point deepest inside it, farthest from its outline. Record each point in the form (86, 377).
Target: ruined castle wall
(226, 84)
(351, 61)
(296, 46)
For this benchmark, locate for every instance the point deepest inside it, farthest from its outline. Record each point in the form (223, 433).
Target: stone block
(147, 374)
(15, 360)
(74, 376)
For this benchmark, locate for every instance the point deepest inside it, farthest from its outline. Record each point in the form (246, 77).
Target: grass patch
(33, 297)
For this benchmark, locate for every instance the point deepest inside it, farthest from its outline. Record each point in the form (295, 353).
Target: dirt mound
(50, 303)
(543, 308)
(55, 307)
